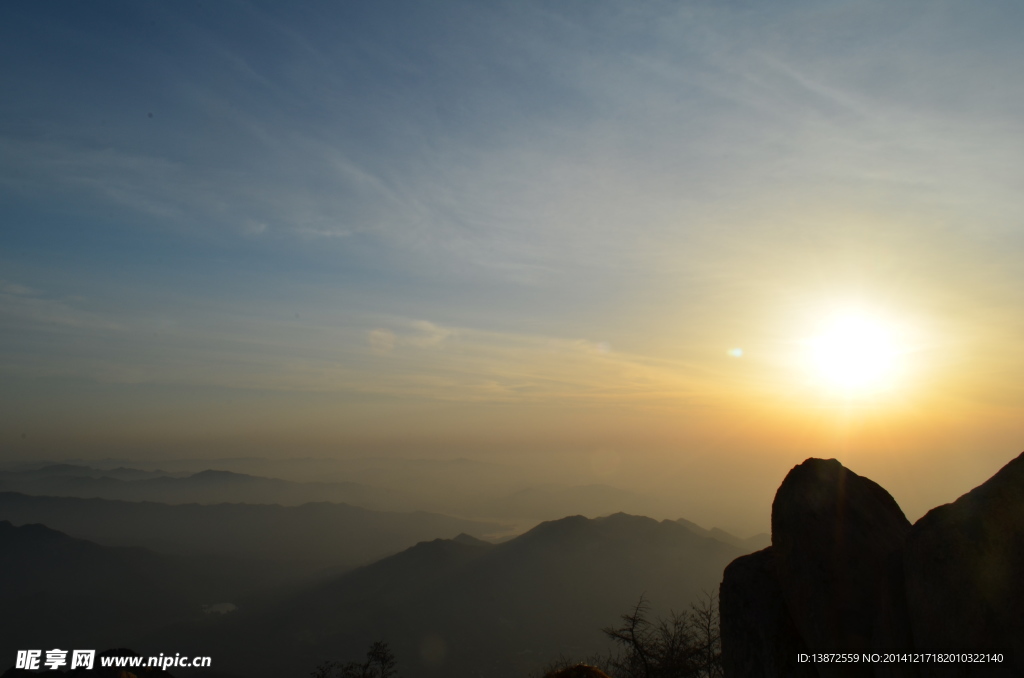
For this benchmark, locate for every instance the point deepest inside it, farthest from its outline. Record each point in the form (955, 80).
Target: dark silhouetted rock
(965, 576)
(759, 639)
(838, 541)
(854, 577)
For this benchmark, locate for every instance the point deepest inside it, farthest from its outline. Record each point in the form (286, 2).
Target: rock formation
(847, 573)
(837, 540)
(965, 575)
(758, 636)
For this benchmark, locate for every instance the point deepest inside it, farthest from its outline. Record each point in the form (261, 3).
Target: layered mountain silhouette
(113, 568)
(453, 487)
(552, 501)
(448, 607)
(57, 591)
(754, 543)
(311, 536)
(463, 607)
(206, 487)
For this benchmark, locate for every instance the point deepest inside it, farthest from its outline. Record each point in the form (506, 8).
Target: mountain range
(311, 536)
(58, 591)
(464, 607)
(205, 487)
(453, 487)
(448, 607)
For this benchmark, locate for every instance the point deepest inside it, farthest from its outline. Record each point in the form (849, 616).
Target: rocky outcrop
(965, 576)
(837, 540)
(759, 639)
(847, 573)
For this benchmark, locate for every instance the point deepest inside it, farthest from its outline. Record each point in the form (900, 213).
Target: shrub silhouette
(380, 663)
(681, 645)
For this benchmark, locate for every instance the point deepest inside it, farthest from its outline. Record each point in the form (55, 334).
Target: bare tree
(680, 645)
(638, 638)
(382, 659)
(380, 663)
(706, 625)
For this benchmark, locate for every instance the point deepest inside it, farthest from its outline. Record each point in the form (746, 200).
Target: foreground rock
(838, 541)
(759, 639)
(847, 573)
(965, 576)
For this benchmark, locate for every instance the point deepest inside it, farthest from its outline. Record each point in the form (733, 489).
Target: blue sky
(522, 224)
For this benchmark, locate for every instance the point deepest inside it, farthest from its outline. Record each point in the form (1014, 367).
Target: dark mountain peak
(545, 590)
(617, 527)
(316, 533)
(432, 553)
(423, 560)
(555, 527)
(754, 543)
(441, 545)
(693, 527)
(750, 544)
(463, 538)
(40, 538)
(28, 534)
(627, 521)
(722, 535)
(622, 517)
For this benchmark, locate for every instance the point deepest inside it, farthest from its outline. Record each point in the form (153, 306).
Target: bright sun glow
(854, 353)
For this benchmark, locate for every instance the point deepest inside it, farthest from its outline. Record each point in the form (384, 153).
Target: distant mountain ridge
(461, 607)
(512, 501)
(58, 591)
(449, 607)
(78, 470)
(314, 535)
(550, 501)
(750, 544)
(205, 487)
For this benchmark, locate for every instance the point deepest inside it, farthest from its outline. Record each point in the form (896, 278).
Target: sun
(854, 353)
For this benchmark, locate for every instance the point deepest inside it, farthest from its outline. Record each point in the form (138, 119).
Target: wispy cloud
(618, 155)
(503, 202)
(408, 358)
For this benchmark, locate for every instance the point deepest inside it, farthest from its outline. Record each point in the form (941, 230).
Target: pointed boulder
(838, 540)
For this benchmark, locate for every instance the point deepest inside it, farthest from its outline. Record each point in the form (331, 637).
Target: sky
(549, 233)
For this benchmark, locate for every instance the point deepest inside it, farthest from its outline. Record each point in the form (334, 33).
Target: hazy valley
(272, 589)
